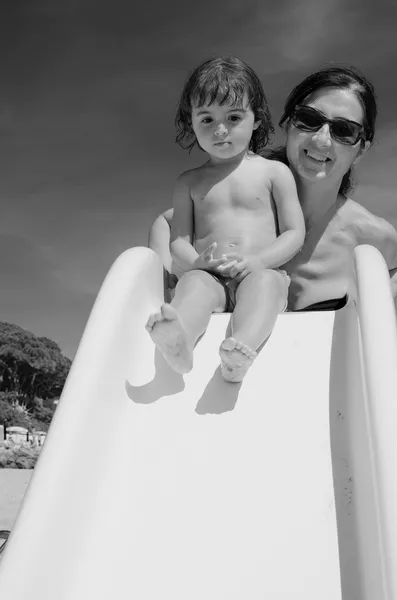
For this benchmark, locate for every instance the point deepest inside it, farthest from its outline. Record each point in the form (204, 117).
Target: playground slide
(156, 486)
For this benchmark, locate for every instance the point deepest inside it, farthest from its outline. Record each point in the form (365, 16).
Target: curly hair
(225, 80)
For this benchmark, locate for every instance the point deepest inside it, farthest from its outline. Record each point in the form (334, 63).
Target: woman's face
(316, 156)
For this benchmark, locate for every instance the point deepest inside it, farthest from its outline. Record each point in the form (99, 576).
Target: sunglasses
(342, 130)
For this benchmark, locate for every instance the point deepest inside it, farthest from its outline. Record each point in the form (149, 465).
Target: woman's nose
(323, 136)
(220, 129)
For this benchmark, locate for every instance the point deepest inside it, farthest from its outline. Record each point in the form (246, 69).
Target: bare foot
(167, 332)
(236, 359)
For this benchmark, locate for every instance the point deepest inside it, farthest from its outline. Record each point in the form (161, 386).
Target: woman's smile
(316, 156)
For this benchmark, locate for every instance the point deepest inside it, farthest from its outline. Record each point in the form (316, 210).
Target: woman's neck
(317, 200)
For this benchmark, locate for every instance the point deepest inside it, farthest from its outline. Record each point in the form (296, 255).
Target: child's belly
(247, 240)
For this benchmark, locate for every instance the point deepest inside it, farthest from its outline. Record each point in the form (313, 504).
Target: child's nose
(220, 129)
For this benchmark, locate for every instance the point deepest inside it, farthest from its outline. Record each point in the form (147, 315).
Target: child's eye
(235, 118)
(207, 120)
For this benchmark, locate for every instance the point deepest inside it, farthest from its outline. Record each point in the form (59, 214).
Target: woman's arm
(182, 227)
(380, 233)
(391, 257)
(168, 214)
(159, 238)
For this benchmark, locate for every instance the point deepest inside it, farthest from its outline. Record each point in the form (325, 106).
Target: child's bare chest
(231, 192)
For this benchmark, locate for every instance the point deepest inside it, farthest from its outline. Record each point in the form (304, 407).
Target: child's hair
(225, 80)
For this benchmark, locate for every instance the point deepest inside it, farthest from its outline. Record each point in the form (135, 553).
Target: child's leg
(260, 297)
(178, 326)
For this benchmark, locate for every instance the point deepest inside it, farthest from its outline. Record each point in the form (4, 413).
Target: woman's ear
(363, 148)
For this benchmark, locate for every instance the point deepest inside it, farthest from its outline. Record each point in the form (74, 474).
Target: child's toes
(152, 320)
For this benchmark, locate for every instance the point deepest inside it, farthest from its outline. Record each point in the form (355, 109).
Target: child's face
(224, 131)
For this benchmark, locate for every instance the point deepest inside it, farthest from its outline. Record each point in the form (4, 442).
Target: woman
(329, 121)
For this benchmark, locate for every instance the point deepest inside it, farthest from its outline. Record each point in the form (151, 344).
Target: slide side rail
(378, 330)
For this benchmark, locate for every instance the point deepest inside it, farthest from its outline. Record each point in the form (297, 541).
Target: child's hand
(206, 261)
(238, 267)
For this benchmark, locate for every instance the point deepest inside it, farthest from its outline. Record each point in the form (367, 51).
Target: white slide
(154, 486)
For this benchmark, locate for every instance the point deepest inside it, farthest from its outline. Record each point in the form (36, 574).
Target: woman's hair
(225, 80)
(340, 78)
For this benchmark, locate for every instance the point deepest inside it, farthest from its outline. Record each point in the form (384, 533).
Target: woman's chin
(314, 169)
(314, 173)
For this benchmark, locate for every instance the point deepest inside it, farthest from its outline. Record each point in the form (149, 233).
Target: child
(236, 219)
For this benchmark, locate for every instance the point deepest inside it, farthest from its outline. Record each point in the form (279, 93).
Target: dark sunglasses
(342, 130)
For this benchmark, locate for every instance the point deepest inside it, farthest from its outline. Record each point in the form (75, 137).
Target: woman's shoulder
(372, 229)
(366, 222)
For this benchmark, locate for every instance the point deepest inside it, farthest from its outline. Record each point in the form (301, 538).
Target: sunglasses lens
(342, 130)
(345, 132)
(308, 119)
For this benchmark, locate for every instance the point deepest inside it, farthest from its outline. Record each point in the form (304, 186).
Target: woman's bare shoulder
(372, 229)
(367, 222)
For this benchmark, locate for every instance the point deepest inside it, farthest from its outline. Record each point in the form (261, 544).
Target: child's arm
(182, 233)
(290, 219)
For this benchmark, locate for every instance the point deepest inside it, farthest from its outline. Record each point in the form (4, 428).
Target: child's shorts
(231, 285)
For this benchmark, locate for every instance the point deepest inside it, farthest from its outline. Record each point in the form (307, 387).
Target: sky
(88, 91)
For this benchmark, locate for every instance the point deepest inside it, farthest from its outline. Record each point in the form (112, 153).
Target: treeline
(33, 371)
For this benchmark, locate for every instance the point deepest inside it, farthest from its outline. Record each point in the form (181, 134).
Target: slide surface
(155, 486)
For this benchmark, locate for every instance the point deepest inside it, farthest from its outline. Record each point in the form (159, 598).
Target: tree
(30, 366)
(10, 415)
